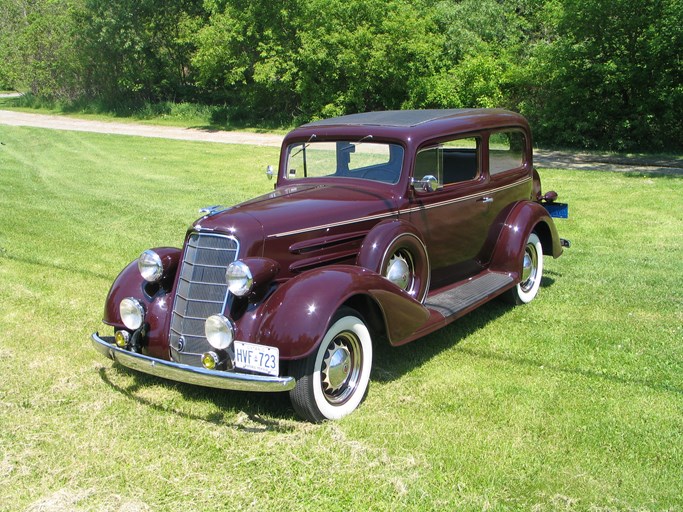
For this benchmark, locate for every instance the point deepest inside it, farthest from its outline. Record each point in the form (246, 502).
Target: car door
(509, 170)
(453, 218)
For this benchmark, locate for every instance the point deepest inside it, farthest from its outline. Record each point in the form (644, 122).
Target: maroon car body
(383, 226)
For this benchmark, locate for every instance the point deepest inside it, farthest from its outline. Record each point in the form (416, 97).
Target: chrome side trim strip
(400, 212)
(190, 374)
(335, 224)
(483, 193)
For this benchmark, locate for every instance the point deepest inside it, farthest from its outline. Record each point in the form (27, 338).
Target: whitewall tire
(333, 380)
(532, 273)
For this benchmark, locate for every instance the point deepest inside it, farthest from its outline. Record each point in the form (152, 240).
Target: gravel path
(164, 132)
(542, 158)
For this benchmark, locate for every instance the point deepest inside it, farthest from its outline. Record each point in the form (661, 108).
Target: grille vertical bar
(201, 290)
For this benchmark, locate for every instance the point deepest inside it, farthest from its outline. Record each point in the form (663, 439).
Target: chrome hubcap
(529, 267)
(398, 271)
(338, 364)
(341, 368)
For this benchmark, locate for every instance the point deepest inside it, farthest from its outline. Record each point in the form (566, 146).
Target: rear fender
(296, 317)
(523, 219)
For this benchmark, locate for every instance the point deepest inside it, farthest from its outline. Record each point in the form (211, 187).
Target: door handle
(486, 199)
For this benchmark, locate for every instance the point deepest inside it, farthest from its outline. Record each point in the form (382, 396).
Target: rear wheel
(333, 380)
(532, 273)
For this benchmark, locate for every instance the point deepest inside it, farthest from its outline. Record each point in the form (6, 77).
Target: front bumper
(190, 374)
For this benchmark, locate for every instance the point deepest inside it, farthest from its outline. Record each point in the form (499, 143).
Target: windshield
(344, 159)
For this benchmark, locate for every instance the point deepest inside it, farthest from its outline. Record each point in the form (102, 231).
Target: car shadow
(239, 411)
(244, 411)
(391, 363)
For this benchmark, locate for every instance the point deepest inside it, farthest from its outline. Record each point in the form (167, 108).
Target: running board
(468, 294)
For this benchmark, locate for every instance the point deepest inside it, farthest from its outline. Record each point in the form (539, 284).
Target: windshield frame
(340, 158)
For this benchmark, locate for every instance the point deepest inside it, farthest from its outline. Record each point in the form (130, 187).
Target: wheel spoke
(341, 368)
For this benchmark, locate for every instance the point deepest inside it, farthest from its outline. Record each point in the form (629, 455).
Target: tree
(612, 76)
(139, 48)
(38, 50)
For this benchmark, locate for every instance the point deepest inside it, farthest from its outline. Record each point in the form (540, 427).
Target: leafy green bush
(587, 73)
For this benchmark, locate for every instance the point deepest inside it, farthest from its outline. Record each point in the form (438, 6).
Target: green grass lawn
(573, 402)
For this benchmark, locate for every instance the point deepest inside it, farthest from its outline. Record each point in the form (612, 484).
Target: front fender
(129, 283)
(296, 317)
(523, 219)
(155, 298)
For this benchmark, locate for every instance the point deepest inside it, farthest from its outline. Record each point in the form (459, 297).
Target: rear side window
(450, 162)
(506, 151)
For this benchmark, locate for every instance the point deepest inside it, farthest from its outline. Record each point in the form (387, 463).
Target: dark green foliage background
(588, 73)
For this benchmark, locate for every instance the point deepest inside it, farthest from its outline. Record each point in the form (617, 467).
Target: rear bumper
(190, 374)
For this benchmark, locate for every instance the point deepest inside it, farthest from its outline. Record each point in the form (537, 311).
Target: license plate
(257, 358)
(557, 210)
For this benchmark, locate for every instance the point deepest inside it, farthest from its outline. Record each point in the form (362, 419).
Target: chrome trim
(209, 211)
(181, 275)
(138, 307)
(428, 263)
(483, 193)
(190, 374)
(399, 212)
(158, 266)
(336, 224)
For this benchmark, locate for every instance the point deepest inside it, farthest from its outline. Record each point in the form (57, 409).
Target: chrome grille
(201, 290)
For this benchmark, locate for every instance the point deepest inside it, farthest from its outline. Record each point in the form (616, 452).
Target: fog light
(219, 331)
(121, 338)
(132, 313)
(210, 360)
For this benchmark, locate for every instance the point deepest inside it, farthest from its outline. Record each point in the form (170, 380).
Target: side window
(506, 151)
(450, 162)
(428, 163)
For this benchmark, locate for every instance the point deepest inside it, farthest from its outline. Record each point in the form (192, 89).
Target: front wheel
(532, 273)
(334, 379)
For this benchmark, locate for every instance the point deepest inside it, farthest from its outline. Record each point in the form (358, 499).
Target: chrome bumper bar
(190, 374)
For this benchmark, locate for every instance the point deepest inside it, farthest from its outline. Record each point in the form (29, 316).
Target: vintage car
(382, 227)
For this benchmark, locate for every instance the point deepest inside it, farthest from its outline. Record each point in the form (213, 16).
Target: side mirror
(270, 172)
(428, 183)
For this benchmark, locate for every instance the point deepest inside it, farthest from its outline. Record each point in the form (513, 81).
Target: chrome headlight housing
(150, 266)
(239, 278)
(220, 331)
(132, 313)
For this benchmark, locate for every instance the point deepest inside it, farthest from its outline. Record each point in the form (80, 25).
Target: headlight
(239, 278)
(219, 331)
(132, 313)
(150, 266)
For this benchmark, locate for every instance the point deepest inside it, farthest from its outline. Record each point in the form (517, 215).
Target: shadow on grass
(43, 264)
(657, 173)
(230, 404)
(390, 363)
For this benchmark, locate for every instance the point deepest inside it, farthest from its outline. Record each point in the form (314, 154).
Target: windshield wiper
(353, 144)
(303, 148)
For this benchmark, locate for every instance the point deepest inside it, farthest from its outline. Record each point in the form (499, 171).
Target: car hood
(302, 208)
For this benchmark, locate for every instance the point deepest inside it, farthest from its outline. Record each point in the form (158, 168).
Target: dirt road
(542, 158)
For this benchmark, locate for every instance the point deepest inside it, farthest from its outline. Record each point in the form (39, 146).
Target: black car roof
(402, 118)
